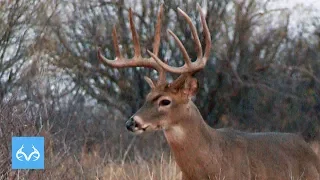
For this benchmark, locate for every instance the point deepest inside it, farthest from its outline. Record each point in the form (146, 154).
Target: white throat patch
(177, 132)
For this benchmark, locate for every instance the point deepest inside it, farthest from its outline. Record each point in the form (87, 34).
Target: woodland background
(263, 75)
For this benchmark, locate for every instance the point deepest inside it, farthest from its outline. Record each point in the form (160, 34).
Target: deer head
(166, 100)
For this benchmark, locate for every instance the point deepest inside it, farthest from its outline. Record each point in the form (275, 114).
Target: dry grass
(89, 166)
(164, 170)
(93, 167)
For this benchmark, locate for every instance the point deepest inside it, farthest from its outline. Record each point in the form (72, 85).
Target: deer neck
(191, 137)
(189, 126)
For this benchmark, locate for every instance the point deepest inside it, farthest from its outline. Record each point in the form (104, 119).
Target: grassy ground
(90, 166)
(97, 164)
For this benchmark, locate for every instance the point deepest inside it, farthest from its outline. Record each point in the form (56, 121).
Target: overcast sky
(308, 7)
(302, 12)
(292, 3)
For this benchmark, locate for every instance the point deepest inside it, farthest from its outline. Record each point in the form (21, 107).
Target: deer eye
(164, 102)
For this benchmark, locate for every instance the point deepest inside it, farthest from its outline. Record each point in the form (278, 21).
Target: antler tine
(135, 36)
(137, 60)
(206, 35)
(115, 42)
(193, 31)
(191, 67)
(156, 45)
(182, 48)
(157, 36)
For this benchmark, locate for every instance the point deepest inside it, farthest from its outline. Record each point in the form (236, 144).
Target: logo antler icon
(35, 154)
(19, 152)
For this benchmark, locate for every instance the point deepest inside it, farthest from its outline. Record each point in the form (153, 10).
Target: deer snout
(131, 124)
(135, 125)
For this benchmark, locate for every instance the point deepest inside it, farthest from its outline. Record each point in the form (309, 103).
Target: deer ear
(190, 87)
(150, 82)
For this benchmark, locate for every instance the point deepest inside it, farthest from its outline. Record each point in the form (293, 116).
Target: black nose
(130, 124)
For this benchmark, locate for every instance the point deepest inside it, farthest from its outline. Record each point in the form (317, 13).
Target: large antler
(137, 60)
(189, 68)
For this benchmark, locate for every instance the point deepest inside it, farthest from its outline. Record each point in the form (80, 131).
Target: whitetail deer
(200, 151)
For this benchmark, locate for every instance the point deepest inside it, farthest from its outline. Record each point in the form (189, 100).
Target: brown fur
(205, 153)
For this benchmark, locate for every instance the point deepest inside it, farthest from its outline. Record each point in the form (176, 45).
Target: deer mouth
(140, 130)
(145, 128)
